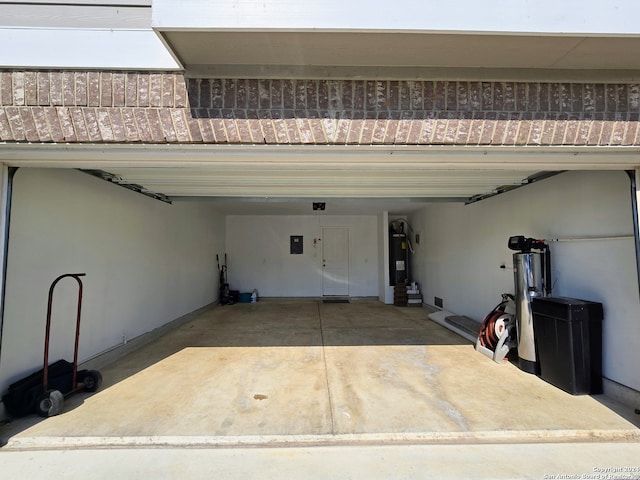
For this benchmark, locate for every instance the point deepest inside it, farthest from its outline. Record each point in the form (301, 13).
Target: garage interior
(147, 180)
(348, 365)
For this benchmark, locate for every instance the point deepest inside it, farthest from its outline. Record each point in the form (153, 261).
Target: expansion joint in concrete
(326, 371)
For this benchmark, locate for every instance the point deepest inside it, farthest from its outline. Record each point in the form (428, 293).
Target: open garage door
(272, 174)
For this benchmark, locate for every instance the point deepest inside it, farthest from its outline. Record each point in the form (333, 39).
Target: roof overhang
(543, 40)
(405, 55)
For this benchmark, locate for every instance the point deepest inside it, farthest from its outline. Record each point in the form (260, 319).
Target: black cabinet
(568, 337)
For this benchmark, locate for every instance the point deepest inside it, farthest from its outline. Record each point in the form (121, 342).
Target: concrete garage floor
(309, 373)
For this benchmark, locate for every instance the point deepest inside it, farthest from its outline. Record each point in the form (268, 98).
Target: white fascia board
(544, 17)
(85, 49)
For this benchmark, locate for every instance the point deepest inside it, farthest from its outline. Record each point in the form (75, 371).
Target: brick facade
(157, 107)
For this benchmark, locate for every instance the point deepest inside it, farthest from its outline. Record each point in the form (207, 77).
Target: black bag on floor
(23, 394)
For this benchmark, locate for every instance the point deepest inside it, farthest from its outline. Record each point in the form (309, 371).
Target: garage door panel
(274, 182)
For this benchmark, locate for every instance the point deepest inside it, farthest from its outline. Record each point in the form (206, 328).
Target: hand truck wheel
(50, 403)
(91, 379)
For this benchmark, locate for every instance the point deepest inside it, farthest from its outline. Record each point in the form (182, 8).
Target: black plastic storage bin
(568, 336)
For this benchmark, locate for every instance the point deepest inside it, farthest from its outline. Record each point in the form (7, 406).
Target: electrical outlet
(438, 302)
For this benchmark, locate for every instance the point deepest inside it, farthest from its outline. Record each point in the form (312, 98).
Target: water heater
(398, 259)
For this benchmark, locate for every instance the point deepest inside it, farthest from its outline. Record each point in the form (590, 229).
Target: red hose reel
(493, 327)
(496, 338)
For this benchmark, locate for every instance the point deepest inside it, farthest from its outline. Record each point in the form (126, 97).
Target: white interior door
(335, 261)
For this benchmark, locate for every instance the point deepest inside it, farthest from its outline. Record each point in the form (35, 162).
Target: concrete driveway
(305, 372)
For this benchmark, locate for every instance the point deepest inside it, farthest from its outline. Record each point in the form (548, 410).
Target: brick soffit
(160, 107)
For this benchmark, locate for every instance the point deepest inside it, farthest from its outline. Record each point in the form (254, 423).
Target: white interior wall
(258, 254)
(462, 248)
(147, 263)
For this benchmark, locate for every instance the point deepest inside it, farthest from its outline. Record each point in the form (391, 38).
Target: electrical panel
(296, 245)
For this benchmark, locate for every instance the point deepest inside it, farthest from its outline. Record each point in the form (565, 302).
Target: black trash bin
(568, 337)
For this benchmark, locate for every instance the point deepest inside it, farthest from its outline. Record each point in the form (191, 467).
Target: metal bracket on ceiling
(507, 188)
(118, 180)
